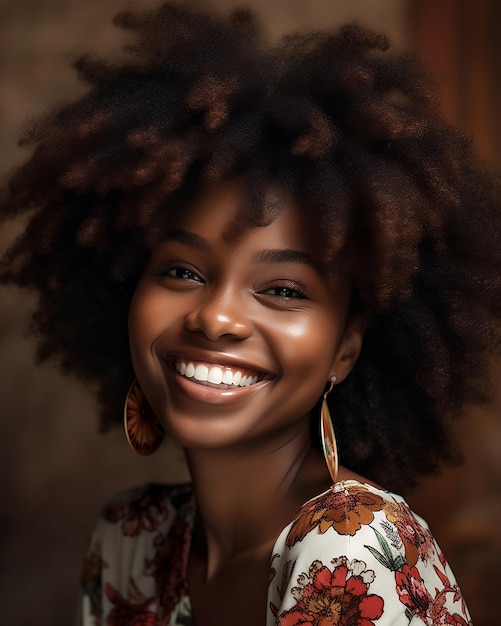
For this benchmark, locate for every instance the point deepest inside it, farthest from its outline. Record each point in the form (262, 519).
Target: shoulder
(138, 546)
(145, 508)
(345, 508)
(362, 547)
(352, 514)
(136, 516)
(134, 519)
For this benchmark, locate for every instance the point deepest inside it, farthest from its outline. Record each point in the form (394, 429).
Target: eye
(180, 273)
(286, 290)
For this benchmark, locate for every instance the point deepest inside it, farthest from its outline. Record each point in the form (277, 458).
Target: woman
(236, 239)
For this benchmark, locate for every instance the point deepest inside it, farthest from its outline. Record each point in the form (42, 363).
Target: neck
(247, 494)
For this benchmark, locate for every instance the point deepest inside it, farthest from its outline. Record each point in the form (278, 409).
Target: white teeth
(236, 378)
(201, 372)
(215, 374)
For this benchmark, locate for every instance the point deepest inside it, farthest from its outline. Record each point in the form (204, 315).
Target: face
(234, 339)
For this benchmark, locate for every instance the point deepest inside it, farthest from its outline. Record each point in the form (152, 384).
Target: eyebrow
(286, 255)
(188, 239)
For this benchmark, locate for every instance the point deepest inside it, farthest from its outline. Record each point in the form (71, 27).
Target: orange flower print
(131, 612)
(337, 597)
(416, 539)
(345, 510)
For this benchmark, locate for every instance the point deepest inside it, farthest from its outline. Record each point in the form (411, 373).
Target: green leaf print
(386, 557)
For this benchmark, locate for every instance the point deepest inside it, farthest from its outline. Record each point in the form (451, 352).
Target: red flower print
(412, 592)
(132, 612)
(337, 597)
(169, 565)
(139, 510)
(432, 610)
(345, 510)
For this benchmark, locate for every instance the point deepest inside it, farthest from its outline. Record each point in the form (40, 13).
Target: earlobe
(349, 349)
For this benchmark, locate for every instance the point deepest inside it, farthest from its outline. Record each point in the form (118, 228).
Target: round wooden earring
(142, 427)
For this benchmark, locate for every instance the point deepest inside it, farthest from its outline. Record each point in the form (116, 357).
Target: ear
(349, 349)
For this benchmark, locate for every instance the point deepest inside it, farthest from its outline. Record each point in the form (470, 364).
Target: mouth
(218, 376)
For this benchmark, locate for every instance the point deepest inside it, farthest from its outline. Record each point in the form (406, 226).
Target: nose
(220, 313)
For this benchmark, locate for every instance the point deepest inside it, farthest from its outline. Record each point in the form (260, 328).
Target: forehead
(221, 216)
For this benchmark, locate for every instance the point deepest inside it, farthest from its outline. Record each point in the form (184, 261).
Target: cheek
(308, 342)
(304, 350)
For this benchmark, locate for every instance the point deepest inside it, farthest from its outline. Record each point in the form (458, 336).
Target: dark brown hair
(347, 129)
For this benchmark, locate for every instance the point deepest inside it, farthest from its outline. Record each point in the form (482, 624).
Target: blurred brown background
(56, 470)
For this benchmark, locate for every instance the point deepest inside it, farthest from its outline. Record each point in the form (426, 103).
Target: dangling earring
(327, 435)
(142, 427)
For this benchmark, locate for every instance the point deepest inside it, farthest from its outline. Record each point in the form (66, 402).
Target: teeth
(215, 374)
(236, 378)
(201, 372)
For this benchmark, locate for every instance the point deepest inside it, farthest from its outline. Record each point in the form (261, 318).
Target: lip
(211, 395)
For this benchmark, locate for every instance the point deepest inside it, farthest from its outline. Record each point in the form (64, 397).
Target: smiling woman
(251, 240)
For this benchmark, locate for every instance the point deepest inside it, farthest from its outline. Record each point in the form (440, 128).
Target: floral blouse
(354, 556)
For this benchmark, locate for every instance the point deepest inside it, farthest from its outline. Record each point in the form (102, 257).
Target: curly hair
(351, 132)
